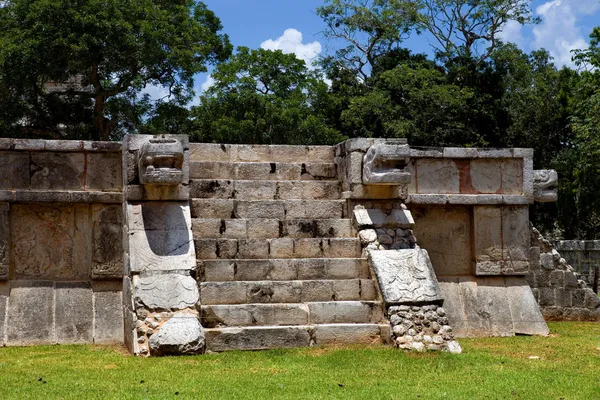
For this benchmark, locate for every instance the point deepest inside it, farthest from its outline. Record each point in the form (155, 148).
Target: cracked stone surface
(167, 291)
(181, 334)
(405, 276)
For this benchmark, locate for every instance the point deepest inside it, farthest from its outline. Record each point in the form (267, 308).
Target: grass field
(568, 367)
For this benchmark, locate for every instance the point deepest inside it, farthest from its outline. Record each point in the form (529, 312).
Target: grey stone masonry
(561, 294)
(582, 255)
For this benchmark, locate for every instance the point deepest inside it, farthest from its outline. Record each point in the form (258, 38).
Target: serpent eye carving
(161, 162)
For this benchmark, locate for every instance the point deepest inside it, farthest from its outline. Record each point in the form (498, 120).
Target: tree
(262, 96)
(370, 28)
(106, 50)
(470, 28)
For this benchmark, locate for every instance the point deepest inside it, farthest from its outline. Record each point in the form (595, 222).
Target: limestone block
(486, 307)
(347, 334)
(341, 248)
(308, 190)
(253, 248)
(355, 172)
(487, 234)
(334, 228)
(512, 176)
(309, 269)
(212, 208)
(316, 209)
(526, 315)
(438, 199)
(160, 236)
(180, 334)
(212, 152)
(15, 170)
(274, 292)
(437, 176)
(206, 249)
(483, 268)
(340, 312)
(227, 248)
(368, 291)
(166, 291)
(50, 241)
(30, 314)
(281, 248)
(308, 248)
(259, 209)
(255, 314)
(547, 297)
(319, 290)
(451, 292)
(211, 189)
(107, 258)
(4, 234)
(460, 152)
(268, 171)
(319, 171)
(515, 233)
(446, 235)
(405, 276)
(108, 316)
(104, 172)
(223, 293)
(73, 312)
(217, 270)
(346, 289)
(256, 338)
(486, 175)
(262, 228)
(376, 218)
(204, 228)
(255, 190)
(545, 185)
(64, 171)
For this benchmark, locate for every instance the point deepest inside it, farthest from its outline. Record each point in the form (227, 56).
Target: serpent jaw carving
(385, 164)
(545, 185)
(161, 162)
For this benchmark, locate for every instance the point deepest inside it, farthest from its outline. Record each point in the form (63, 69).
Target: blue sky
(294, 27)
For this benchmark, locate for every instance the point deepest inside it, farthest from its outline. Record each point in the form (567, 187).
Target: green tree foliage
(109, 50)
(263, 96)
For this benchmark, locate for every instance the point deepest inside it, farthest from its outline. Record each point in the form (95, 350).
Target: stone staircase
(279, 263)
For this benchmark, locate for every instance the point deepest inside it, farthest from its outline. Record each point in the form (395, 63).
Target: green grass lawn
(568, 367)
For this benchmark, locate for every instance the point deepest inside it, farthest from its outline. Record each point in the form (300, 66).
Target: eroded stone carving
(181, 334)
(545, 184)
(385, 164)
(167, 291)
(161, 162)
(405, 276)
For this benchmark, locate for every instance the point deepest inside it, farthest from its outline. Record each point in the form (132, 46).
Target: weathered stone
(347, 334)
(281, 248)
(104, 172)
(316, 209)
(4, 294)
(73, 312)
(212, 208)
(108, 316)
(30, 314)
(160, 236)
(512, 176)
(260, 209)
(383, 164)
(256, 338)
(223, 293)
(50, 241)
(308, 190)
(341, 247)
(255, 190)
(4, 234)
(405, 276)
(515, 233)
(253, 248)
(107, 258)
(65, 171)
(167, 291)
(180, 334)
(526, 316)
(487, 234)
(344, 312)
(255, 315)
(211, 189)
(486, 176)
(376, 218)
(545, 185)
(446, 235)
(15, 170)
(437, 176)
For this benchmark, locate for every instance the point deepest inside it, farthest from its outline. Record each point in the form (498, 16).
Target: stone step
(270, 337)
(211, 249)
(268, 209)
(254, 228)
(264, 190)
(200, 152)
(330, 312)
(283, 269)
(271, 171)
(248, 292)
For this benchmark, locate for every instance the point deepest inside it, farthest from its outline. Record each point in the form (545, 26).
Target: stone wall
(60, 242)
(582, 255)
(562, 296)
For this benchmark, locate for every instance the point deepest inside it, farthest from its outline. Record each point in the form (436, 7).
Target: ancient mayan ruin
(173, 247)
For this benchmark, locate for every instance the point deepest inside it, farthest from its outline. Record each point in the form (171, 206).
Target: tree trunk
(102, 127)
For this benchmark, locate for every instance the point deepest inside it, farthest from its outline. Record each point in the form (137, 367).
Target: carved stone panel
(107, 257)
(405, 276)
(437, 176)
(167, 291)
(57, 171)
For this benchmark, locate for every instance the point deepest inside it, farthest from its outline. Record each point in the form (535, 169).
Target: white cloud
(207, 83)
(559, 31)
(512, 32)
(291, 42)
(156, 92)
